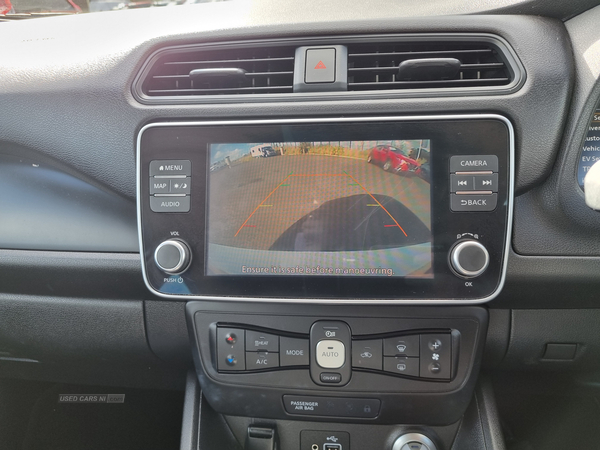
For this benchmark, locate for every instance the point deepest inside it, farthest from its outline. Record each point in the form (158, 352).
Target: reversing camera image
(359, 208)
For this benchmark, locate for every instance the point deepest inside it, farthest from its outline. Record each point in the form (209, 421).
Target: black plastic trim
(511, 59)
(192, 409)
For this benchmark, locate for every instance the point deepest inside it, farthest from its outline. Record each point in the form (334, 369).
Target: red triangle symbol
(320, 65)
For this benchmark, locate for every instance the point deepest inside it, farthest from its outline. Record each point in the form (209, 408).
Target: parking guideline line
(318, 175)
(345, 174)
(371, 195)
(266, 198)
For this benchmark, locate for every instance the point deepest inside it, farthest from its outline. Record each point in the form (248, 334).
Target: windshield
(35, 8)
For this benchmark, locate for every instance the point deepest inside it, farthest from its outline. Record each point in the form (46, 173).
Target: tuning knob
(469, 258)
(173, 256)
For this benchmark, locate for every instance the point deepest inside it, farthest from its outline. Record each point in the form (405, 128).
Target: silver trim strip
(453, 301)
(482, 172)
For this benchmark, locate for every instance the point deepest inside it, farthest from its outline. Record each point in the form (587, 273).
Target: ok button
(331, 354)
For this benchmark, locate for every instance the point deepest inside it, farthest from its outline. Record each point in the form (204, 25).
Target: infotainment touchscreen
(345, 209)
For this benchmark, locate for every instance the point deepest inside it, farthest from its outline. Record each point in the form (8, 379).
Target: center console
(310, 253)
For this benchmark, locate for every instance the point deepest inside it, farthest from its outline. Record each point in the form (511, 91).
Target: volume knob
(469, 258)
(173, 256)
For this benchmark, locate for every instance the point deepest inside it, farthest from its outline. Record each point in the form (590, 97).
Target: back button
(473, 202)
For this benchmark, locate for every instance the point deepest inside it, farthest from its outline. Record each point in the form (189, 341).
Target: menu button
(175, 167)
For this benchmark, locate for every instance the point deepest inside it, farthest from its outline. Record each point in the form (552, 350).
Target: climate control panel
(378, 365)
(331, 353)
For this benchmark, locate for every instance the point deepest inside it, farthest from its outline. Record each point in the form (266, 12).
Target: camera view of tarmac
(320, 208)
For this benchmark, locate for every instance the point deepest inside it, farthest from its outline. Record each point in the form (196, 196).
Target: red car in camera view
(399, 160)
(393, 159)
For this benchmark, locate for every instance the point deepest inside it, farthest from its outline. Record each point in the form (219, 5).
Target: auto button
(331, 354)
(330, 348)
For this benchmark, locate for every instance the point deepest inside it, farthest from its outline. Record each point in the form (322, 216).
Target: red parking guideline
(345, 174)
(388, 213)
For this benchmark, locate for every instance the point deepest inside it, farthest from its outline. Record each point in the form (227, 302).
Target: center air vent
(374, 66)
(260, 70)
(389, 66)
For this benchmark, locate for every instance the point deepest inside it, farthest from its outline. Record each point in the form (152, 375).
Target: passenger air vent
(375, 66)
(222, 71)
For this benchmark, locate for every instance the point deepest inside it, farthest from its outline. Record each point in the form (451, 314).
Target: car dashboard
(325, 225)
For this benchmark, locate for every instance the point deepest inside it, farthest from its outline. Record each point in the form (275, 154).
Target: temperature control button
(173, 256)
(230, 349)
(469, 259)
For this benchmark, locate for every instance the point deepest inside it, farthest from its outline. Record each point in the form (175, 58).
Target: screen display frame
(484, 134)
(319, 185)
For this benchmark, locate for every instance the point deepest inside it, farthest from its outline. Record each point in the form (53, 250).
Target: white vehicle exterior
(263, 150)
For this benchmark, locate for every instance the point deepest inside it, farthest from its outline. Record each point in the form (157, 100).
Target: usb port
(332, 446)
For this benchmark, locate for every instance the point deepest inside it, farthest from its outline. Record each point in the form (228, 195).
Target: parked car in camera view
(392, 159)
(262, 151)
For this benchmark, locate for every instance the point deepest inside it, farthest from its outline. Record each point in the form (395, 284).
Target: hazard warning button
(320, 65)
